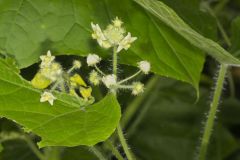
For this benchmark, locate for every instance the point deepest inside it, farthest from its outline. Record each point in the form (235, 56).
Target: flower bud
(77, 64)
(117, 22)
(94, 78)
(144, 66)
(93, 59)
(137, 88)
(109, 80)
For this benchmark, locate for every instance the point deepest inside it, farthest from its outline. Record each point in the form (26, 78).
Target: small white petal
(126, 42)
(47, 96)
(117, 22)
(99, 36)
(46, 59)
(49, 53)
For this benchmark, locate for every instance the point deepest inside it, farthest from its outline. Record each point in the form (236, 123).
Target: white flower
(94, 78)
(77, 64)
(47, 59)
(126, 42)
(117, 22)
(109, 80)
(99, 36)
(52, 72)
(97, 32)
(93, 59)
(137, 88)
(144, 66)
(47, 96)
(114, 34)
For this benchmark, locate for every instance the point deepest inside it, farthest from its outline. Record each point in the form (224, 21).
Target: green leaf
(30, 28)
(169, 17)
(68, 123)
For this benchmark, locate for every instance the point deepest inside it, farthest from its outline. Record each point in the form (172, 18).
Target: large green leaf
(169, 17)
(67, 123)
(29, 28)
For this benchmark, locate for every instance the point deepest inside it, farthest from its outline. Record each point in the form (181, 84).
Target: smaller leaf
(169, 17)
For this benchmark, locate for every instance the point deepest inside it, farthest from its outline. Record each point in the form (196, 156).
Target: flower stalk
(115, 37)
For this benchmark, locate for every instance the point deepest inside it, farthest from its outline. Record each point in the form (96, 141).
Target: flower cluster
(51, 77)
(114, 36)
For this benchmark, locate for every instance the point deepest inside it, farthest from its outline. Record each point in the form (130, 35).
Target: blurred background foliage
(167, 123)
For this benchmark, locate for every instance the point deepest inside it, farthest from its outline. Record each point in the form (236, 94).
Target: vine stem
(124, 143)
(212, 112)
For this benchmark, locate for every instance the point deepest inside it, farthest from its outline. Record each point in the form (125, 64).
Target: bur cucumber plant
(58, 105)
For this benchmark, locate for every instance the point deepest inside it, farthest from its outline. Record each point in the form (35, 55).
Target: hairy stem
(129, 78)
(114, 150)
(99, 70)
(115, 61)
(124, 143)
(119, 129)
(212, 113)
(97, 153)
